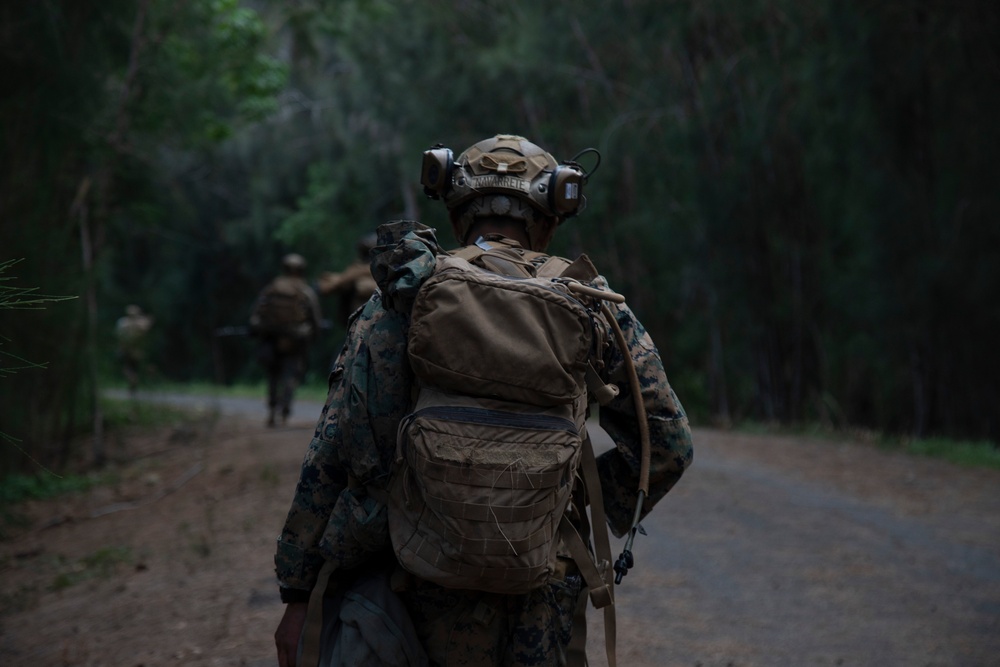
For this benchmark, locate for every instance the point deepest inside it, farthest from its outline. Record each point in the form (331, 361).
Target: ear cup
(435, 173)
(566, 190)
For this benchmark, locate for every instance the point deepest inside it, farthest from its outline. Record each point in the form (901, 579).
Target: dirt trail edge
(771, 551)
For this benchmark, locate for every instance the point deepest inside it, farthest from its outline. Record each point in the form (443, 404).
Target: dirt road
(771, 551)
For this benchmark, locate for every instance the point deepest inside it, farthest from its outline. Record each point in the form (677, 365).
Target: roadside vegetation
(969, 453)
(123, 419)
(313, 390)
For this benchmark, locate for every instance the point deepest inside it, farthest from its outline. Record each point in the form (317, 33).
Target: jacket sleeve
(671, 450)
(315, 311)
(356, 433)
(324, 473)
(298, 558)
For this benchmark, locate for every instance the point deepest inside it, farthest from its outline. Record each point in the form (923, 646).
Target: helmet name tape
(499, 182)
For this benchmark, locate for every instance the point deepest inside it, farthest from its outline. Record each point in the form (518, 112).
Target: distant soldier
(131, 331)
(354, 285)
(286, 318)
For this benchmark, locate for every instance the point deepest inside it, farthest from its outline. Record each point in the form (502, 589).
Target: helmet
(293, 263)
(509, 176)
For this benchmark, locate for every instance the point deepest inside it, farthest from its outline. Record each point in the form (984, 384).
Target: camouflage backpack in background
(496, 447)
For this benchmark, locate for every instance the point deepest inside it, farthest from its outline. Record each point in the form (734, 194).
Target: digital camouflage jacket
(334, 517)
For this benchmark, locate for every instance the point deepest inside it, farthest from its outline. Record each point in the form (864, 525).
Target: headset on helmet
(507, 165)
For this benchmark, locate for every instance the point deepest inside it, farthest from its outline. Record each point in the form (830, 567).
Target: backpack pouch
(518, 339)
(479, 488)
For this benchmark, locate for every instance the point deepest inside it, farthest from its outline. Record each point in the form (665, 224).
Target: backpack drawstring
(626, 561)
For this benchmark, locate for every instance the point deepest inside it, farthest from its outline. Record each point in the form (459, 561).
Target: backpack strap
(497, 257)
(552, 266)
(313, 630)
(598, 576)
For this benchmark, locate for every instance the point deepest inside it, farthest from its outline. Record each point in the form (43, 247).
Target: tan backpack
(503, 345)
(489, 458)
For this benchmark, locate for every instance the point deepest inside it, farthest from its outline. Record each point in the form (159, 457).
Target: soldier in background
(354, 285)
(286, 319)
(131, 331)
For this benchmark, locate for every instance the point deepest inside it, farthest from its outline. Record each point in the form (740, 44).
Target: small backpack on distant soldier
(281, 310)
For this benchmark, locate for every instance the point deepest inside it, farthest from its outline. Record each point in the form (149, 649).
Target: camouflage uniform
(333, 516)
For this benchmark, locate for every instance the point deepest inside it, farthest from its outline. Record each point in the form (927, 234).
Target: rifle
(232, 331)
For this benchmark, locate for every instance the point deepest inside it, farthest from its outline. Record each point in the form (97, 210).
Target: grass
(123, 412)
(101, 564)
(313, 391)
(969, 453)
(18, 488)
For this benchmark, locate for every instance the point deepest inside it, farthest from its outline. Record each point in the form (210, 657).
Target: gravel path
(772, 551)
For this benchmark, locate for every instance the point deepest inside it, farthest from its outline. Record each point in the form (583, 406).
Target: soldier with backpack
(441, 516)
(285, 318)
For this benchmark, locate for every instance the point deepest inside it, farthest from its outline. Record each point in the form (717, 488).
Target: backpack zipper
(497, 418)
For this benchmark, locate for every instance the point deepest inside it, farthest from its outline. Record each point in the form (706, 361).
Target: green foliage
(128, 413)
(209, 71)
(980, 454)
(18, 488)
(970, 453)
(110, 104)
(13, 297)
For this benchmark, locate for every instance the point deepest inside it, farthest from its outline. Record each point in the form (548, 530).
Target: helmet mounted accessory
(435, 174)
(566, 185)
(510, 176)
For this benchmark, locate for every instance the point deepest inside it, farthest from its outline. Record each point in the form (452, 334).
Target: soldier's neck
(510, 227)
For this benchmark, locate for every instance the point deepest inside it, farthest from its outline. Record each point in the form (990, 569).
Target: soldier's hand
(286, 637)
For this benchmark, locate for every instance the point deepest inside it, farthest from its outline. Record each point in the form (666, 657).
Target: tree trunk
(81, 210)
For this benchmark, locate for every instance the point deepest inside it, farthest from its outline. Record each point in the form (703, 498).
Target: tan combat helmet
(508, 176)
(293, 264)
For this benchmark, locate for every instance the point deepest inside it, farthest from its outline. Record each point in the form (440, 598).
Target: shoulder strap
(552, 266)
(499, 258)
(313, 630)
(598, 576)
